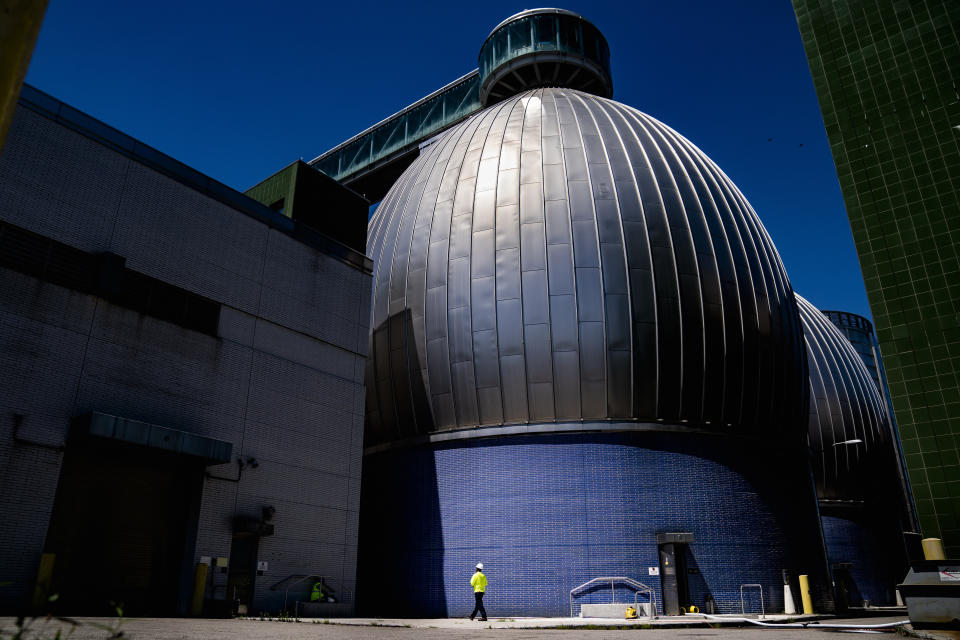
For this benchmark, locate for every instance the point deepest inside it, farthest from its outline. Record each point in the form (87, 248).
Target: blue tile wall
(871, 543)
(547, 513)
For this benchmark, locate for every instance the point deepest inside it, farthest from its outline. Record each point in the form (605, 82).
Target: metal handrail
(314, 578)
(638, 588)
(763, 612)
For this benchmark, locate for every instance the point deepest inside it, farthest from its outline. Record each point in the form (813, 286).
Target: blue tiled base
(548, 513)
(870, 542)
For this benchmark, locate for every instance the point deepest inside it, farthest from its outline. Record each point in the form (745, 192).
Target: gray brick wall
(282, 381)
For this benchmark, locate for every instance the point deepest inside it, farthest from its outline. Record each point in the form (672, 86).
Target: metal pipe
(815, 624)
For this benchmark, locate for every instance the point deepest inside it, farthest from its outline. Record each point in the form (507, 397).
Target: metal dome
(563, 259)
(849, 428)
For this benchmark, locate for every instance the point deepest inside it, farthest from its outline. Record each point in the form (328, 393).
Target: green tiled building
(887, 74)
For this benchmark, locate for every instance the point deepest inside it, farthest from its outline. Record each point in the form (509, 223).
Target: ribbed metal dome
(561, 257)
(845, 407)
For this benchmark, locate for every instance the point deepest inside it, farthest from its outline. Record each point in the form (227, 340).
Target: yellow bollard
(44, 575)
(933, 549)
(199, 589)
(805, 595)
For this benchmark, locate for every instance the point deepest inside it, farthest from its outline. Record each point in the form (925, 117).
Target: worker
(479, 584)
(317, 595)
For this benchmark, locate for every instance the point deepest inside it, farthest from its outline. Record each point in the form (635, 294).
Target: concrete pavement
(429, 629)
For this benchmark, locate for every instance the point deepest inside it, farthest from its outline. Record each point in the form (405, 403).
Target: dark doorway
(673, 571)
(123, 528)
(243, 570)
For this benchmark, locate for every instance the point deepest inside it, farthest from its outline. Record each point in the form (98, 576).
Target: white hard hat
(480, 566)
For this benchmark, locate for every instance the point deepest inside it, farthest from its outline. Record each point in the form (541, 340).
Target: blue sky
(240, 89)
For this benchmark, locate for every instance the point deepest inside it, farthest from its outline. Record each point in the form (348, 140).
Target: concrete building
(182, 379)
(886, 75)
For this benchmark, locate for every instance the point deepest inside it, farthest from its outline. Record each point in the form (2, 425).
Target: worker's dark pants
(479, 607)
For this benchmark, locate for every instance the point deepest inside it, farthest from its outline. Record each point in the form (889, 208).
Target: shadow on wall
(400, 562)
(697, 585)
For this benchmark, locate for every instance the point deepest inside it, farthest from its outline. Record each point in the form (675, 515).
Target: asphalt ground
(401, 629)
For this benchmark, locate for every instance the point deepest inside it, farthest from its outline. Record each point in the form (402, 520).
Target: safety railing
(290, 583)
(638, 588)
(759, 587)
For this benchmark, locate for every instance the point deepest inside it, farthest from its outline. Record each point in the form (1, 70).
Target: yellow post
(199, 589)
(805, 595)
(44, 575)
(933, 549)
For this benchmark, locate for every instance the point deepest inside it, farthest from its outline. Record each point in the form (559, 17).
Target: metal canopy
(102, 425)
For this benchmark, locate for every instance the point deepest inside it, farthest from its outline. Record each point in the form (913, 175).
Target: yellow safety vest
(478, 582)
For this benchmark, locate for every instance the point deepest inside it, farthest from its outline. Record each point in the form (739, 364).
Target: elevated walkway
(372, 160)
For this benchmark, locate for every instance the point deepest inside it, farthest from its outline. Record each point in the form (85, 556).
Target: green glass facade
(887, 75)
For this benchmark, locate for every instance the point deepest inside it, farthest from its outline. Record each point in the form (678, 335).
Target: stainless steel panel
(593, 397)
(483, 258)
(459, 335)
(554, 182)
(465, 394)
(531, 202)
(509, 157)
(436, 313)
(460, 237)
(514, 388)
(540, 396)
(463, 202)
(487, 173)
(592, 351)
(619, 384)
(531, 169)
(508, 226)
(617, 316)
(490, 405)
(483, 303)
(619, 163)
(589, 295)
(535, 305)
(570, 133)
(419, 248)
(508, 274)
(559, 268)
(575, 163)
(581, 200)
(549, 123)
(458, 291)
(552, 150)
(566, 375)
(510, 327)
(538, 354)
(608, 221)
(563, 323)
(585, 249)
(486, 358)
(628, 201)
(532, 247)
(558, 222)
(438, 365)
(614, 268)
(443, 411)
(594, 148)
(471, 163)
(484, 210)
(440, 224)
(508, 187)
